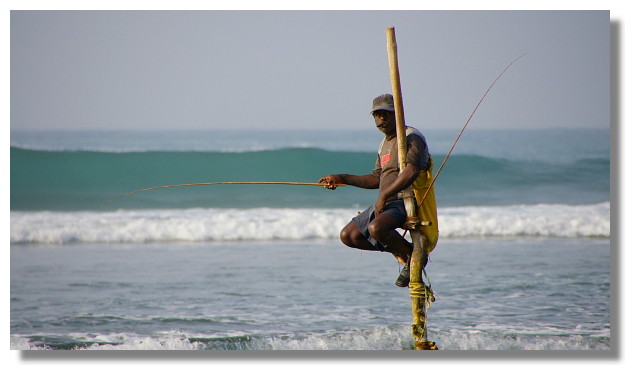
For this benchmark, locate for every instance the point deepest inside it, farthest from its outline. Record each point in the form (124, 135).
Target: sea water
(523, 260)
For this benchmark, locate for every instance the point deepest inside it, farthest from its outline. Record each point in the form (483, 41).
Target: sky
(167, 70)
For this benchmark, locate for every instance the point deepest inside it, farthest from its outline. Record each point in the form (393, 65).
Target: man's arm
(405, 179)
(367, 181)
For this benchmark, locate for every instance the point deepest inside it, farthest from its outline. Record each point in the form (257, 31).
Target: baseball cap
(383, 102)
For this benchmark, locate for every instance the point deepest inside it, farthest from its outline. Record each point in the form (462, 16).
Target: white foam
(185, 225)
(397, 337)
(541, 220)
(491, 339)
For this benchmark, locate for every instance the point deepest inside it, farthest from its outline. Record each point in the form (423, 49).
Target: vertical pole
(417, 288)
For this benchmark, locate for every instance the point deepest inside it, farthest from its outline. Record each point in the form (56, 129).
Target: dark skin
(383, 226)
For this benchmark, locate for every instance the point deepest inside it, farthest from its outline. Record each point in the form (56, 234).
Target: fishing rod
(226, 183)
(465, 126)
(322, 184)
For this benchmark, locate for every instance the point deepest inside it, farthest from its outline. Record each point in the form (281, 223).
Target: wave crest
(263, 224)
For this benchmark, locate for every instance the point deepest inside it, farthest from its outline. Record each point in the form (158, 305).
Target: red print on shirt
(385, 159)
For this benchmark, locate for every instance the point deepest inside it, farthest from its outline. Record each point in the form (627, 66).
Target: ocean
(523, 261)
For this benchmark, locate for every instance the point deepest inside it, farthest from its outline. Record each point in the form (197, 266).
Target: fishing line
(465, 126)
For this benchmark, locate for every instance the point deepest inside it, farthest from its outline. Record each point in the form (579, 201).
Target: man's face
(385, 121)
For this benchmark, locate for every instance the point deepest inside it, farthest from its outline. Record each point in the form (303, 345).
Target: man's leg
(382, 228)
(352, 237)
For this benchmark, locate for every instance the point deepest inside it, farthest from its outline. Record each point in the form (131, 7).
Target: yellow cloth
(427, 209)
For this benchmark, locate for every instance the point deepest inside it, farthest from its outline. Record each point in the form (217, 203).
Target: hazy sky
(305, 69)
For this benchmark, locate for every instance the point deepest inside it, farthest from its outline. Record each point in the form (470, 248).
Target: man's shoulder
(414, 132)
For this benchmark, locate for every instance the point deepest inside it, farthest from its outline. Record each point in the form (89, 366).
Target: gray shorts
(395, 209)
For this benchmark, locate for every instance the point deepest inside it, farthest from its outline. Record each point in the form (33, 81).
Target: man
(374, 229)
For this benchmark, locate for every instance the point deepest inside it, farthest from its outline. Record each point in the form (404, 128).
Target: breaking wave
(263, 224)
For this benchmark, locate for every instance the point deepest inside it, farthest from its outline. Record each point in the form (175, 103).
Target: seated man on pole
(375, 228)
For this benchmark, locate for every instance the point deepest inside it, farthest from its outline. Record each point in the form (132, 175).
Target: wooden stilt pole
(419, 254)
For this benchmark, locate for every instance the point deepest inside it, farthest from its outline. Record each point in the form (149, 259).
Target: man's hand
(380, 204)
(331, 181)
(368, 181)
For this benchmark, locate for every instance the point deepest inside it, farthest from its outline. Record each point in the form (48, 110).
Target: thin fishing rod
(323, 185)
(226, 183)
(465, 126)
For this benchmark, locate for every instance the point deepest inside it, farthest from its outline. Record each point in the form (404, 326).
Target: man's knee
(347, 236)
(352, 237)
(382, 227)
(376, 231)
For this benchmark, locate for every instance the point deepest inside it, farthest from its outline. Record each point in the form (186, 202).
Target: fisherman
(375, 228)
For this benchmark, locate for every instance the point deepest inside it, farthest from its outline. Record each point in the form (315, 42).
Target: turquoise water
(512, 170)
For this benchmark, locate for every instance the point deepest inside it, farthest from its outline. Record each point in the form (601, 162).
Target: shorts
(395, 208)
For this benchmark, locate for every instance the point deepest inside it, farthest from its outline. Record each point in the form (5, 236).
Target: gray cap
(383, 102)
